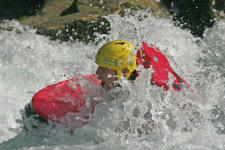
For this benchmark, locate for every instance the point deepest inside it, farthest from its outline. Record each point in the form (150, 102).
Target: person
(119, 58)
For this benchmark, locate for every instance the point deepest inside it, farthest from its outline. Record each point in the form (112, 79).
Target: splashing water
(138, 116)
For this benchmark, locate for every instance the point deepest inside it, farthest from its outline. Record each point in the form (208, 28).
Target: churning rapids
(29, 62)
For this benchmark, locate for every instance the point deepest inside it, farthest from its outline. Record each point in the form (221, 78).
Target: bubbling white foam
(137, 116)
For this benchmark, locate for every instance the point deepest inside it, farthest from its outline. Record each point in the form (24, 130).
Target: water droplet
(155, 59)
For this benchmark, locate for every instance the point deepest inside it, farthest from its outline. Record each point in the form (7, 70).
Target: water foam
(141, 116)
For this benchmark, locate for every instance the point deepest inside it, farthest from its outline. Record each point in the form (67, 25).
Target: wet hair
(133, 75)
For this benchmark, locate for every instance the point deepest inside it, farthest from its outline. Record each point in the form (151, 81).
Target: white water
(29, 62)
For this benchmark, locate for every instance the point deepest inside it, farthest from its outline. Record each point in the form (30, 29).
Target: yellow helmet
(116, 55)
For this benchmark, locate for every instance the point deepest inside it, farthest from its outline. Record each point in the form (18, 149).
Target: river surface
(29, 62)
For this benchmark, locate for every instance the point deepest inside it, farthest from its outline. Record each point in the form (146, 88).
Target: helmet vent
(121, 43)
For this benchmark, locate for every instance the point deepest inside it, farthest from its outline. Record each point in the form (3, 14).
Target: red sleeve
(152, 56)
